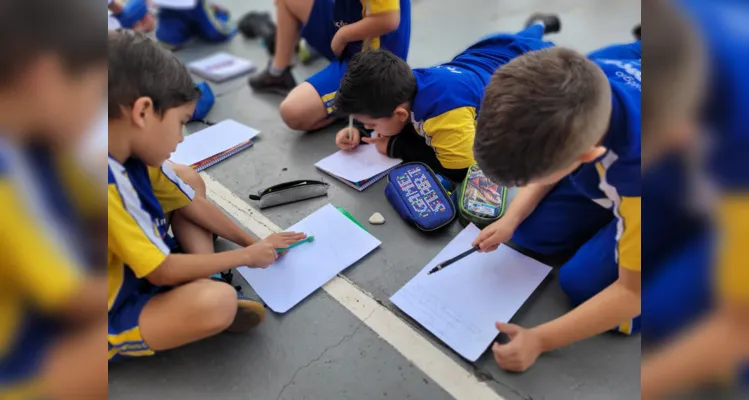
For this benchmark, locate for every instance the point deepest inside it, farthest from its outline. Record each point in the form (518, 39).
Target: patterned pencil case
(290, 192)
(417, 195)
(480, 201)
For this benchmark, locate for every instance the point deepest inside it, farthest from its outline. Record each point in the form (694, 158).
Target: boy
(337, 29)
(158, 299)
(51, 316)
(567, 130)
(436, 105)
(704, 315)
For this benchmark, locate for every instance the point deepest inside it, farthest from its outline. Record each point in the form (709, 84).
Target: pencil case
(415, 191)
(480, 201)
(290, 192)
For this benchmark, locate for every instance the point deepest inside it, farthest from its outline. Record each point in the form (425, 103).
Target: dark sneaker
(250, 313)
(551, 22)
(264, 82)
(637, 32)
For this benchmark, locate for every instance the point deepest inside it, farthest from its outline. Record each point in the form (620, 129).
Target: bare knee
(215, 305)
(293, 115)
(190, 177)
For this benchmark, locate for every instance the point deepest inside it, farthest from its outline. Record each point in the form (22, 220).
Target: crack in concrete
(316, 359)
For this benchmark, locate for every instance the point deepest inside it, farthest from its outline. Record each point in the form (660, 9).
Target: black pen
(452, 260)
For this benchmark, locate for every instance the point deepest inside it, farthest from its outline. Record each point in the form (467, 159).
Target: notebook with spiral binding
(359, 168)
(214, 144)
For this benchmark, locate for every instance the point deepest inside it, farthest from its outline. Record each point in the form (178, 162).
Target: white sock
(275, 71)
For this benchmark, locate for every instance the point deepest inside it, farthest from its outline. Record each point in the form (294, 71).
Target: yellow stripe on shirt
(733, 253)
(451, 135)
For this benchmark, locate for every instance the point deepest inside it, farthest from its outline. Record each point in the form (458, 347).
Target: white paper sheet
(338, 243)
(211, 141)
(356, 165)
(460, 303)
(221, 67)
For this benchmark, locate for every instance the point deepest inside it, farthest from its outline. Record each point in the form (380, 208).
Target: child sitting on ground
(566, 129)
(429, 114)
(337, 30)
(52, 83)
(159, 299)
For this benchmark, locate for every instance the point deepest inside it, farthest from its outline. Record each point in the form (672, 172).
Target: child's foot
(551, 22)
(271, 81)
(249, 314)
(637, 32)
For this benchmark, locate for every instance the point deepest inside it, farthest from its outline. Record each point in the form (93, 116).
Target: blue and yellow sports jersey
(347, 12)
(139, 197)
(613, 180)
(449, 96)
(44, 256)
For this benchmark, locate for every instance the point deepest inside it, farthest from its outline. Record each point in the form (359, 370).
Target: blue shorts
(568, 223)
(123, 328)
(19, 368)
(319, 32)
(176, 27)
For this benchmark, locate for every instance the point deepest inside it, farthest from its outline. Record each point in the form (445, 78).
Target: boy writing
(337, 30)
(51, 302)
(429, 114)
(159, 299)
(566, 129)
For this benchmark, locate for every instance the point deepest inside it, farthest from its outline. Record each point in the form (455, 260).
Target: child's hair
(375, 84)
(139, 67)
(66, 29)
(540, 112)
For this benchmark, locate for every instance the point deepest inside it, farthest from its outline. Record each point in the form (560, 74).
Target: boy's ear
(141, 108)
(592, 154)
(401, 113)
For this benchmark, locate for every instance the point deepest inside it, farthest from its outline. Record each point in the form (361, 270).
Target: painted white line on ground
(451, 376)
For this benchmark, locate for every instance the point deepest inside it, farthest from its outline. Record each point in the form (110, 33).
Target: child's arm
(208, 216)
(383, 17)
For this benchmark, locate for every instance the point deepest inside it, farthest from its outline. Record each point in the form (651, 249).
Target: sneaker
(551, 22)
(264, 82)
(250, 313)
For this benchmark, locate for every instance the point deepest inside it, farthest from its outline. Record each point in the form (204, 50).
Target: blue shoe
(250, 313)
(177, 27)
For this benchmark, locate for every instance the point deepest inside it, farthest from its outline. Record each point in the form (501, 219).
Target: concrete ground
(350, 359)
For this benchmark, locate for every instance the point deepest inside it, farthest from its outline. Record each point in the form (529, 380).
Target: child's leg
(191, 237)
(562, 222)
(629, 51)
(310, 105)
(592, 269)
(534, 31)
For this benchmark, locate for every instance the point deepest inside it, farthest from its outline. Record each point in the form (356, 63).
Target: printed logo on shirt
(340, 24)
(629, 71)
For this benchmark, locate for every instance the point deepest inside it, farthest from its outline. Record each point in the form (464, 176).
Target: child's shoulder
(440, 89)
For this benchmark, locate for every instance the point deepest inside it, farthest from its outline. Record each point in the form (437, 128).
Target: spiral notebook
(359, 168)
(221, 67)
(214, 144)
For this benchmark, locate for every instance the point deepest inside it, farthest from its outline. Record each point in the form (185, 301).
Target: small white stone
(376, 219)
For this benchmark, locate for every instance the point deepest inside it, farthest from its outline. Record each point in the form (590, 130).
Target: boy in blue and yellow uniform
(566, 129)
(50, 296)
(429, 114)
(337, 29)
(159, 299)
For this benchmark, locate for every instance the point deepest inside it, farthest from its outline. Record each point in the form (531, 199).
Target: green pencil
(303, 241)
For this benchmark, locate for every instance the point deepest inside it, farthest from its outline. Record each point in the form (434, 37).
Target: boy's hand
(495, 234)
(261, 254)
(283, 240)
(380, 142)
(339, 42)
(346, 140)
(521, 352)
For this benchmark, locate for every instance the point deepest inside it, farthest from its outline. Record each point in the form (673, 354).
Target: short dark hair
(67, 29)
(140, 67)
(540, 111)
(375, 83)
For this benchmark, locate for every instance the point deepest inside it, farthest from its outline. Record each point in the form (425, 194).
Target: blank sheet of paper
(358, 164)
(460, 303)
(211, 141)
(338, 243)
